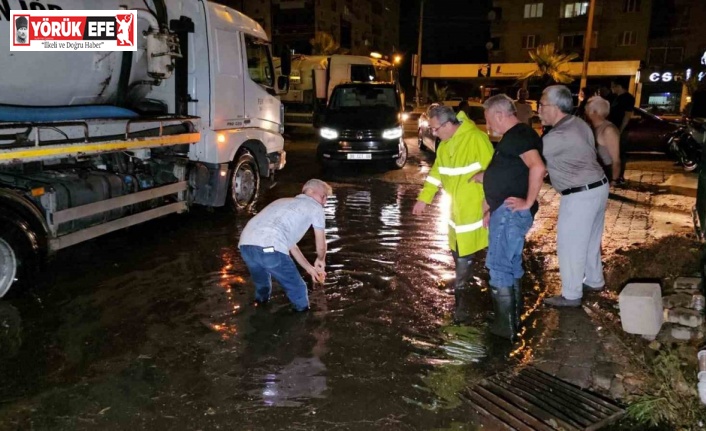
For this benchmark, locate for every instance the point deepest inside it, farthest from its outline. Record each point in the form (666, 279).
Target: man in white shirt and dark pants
(271, 237)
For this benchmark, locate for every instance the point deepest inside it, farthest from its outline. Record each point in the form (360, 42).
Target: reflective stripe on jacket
(467, 152)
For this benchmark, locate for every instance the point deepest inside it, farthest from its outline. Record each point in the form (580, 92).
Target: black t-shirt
(623, 103)
(507, 175)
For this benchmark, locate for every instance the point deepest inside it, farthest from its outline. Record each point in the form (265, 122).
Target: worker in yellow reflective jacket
(464, 151)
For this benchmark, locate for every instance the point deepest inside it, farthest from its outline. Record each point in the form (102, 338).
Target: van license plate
(360, 156)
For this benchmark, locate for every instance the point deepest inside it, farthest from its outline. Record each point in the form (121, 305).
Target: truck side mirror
(282, 84)
(286, 61)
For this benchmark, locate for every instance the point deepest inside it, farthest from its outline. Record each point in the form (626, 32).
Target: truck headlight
(395, 133)
(328, 133)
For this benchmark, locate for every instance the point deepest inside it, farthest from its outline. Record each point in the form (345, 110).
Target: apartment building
(359, 27)
(620, 28)
(676, 51)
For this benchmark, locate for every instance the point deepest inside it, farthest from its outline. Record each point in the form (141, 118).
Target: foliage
(324, 44)
(550, 65)
(665, 403)
(440, 93)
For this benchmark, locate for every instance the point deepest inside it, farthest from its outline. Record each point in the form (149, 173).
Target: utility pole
(418, 85)
(588, 42)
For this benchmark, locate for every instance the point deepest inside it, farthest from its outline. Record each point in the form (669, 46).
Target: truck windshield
(259, 61)
(364, 97)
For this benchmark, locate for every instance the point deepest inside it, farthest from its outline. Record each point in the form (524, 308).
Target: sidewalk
(574, 346)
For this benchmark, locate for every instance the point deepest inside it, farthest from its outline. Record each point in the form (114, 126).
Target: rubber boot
(463, 272)
(519, 303)
(504, 324)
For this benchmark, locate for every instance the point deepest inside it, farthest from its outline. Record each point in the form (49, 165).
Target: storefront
(664, 90)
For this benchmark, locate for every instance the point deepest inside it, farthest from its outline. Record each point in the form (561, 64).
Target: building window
(496, 43)
(627, 38)
(529, 41)
(665, 55)
(574, 9)
(631, 6)
(572, 42)
(533, 10)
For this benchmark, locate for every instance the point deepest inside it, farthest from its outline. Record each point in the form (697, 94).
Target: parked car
(362, 123)
(426, 139)
(648, 133)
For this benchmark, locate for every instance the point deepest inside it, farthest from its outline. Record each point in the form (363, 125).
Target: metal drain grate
(534, 400)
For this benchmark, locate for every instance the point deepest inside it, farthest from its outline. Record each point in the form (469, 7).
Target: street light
(397, 59)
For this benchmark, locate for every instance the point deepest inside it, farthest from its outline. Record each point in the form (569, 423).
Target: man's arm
(320, 238)
(534, 162)
(626, 119)
(316, 275)
(611, 140)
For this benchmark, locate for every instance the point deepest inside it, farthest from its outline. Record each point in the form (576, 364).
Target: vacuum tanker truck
(95, 141)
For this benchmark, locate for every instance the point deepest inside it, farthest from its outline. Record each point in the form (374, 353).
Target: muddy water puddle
(153, 328)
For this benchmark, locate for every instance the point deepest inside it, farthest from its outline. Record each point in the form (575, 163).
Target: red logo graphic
(125, 36)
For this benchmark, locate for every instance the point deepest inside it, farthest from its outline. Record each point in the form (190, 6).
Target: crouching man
(269, 241)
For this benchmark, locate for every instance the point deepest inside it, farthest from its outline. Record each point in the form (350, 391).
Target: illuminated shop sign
(669, 76)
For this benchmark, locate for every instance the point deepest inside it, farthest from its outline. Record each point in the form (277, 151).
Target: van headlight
(395, 133)
(328, 133)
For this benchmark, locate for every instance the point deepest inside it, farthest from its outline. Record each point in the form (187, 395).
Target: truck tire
(18, 253)
(245, 182)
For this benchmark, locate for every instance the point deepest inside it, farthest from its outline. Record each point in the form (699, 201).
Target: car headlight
(423, 124)
(395, 133)
(328, 133)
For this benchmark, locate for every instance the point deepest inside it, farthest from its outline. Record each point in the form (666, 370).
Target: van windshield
(364, 97)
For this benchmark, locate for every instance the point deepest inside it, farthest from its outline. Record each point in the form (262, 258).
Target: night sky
(455, 31)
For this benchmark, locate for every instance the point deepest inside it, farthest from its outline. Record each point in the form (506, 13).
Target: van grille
(359, 135)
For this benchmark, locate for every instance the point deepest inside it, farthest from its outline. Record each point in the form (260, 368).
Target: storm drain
(534, 400)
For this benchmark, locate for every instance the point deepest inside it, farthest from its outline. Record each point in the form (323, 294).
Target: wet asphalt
(154, 327)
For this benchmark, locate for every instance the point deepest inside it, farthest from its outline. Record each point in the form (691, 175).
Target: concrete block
(684, 316)
(677, 300)
(685, 334)
(641, 308)
(686, 283)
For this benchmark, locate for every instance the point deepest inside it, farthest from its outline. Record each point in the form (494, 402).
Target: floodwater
(154, 327)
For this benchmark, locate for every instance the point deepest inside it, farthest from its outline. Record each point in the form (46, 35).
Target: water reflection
(293, 384)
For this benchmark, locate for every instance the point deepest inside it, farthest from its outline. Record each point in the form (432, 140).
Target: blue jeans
(506, 239)
(263, 266)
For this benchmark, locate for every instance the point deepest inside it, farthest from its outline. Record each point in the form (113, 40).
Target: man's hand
(478, 177)
(317, 276)
(419, 208)
(486, 219)
(517, 204)
(320, 264)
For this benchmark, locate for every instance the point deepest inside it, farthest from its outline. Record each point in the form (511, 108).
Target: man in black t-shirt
(511, 184)
(621, 109)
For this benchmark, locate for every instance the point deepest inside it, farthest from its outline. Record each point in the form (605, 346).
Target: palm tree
(440, 93)
(324, 44)
(550, 65)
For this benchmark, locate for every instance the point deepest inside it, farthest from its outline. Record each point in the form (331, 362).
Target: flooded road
(154, 327)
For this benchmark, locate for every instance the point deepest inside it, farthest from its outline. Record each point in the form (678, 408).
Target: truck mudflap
(45, 141)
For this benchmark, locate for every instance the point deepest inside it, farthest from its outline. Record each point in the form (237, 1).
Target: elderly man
(511, 184)
(464, 150)
(271, 236)
(570, 152)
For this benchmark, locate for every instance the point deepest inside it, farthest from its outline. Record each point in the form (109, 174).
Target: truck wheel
(245, 182)
(18, 253)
